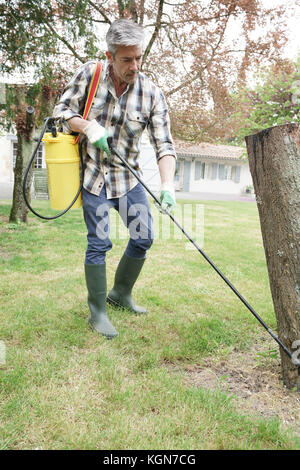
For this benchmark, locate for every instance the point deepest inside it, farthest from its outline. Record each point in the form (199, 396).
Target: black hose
(113, 149)
(46, 123)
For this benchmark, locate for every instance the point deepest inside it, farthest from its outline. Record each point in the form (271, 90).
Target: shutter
(221, 172)
(177, 171)
(214, 171)
(197, 170)
(237, 174)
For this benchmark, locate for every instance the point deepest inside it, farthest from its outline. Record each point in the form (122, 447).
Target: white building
(208, 168)
(8, 152)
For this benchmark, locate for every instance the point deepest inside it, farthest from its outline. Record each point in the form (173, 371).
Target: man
(126, 102)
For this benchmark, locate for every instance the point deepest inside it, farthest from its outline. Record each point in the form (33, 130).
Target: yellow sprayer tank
(63, 166)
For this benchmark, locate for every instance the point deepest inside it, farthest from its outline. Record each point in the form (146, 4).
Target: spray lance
(50, 123)
(242, 299)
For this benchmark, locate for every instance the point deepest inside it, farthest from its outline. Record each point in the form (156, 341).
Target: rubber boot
(95, 275)
(126, 275)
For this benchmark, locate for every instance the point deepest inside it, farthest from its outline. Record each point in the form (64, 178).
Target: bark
(274, 158)
(19, 210)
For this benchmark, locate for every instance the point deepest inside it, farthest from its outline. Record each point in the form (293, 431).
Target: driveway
(216, 197)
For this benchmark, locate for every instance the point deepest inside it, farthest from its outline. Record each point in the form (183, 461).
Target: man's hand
(97, 135)
(167, 196)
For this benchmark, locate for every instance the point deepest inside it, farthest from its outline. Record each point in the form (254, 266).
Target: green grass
(64, 387)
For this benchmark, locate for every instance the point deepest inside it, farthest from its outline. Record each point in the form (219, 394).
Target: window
(221, 172)
(217, 171)
(203, 171)
(228, 172)
(38, 163)
(236, 176)
(197, 170)
(200, 170)
(214, 171)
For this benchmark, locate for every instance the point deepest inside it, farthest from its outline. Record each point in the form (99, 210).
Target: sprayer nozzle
(51, 126)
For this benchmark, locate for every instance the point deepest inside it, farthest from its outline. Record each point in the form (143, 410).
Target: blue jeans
(135, 212)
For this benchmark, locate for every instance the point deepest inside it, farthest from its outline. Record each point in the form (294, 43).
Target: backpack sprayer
(63, 156)
(63, 159)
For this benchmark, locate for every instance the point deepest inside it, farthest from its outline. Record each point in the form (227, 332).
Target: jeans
(135, 212)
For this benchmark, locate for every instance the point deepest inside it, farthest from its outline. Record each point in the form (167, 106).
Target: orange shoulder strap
(91, 94)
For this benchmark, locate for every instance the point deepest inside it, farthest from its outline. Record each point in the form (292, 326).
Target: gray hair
(124, 33)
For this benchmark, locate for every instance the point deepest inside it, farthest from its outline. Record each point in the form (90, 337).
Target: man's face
(126, 63)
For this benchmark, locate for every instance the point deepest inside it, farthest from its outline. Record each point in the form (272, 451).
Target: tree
(189, 51)
(272, 102)
(274, 163)
(26, 107)
(30, 43)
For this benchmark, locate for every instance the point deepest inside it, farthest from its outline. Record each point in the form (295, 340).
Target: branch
(74, 18)
(142, 8)
(102, 13)
(156, 30)
(64, 41)
(184, 84)
(198, 75)
(121, 8)
(133, 10)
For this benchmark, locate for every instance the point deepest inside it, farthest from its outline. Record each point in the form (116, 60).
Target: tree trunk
(25, 129)
(274, 158)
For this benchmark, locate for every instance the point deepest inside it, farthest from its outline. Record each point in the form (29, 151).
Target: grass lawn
(62, 386)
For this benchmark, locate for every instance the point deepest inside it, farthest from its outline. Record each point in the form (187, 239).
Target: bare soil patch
(255, 381)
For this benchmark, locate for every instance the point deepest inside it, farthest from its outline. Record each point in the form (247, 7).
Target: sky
(293, 31)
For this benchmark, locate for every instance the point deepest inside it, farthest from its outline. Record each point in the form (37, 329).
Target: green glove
(102, 144)
(167, 197)
(97, 135)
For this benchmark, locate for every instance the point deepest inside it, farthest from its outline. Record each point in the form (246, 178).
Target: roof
(207, 150)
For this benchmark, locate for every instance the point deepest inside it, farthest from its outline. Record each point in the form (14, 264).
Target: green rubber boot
(95, 275)
(126, 275)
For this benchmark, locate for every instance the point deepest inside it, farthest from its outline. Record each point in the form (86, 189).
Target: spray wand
(242, 299)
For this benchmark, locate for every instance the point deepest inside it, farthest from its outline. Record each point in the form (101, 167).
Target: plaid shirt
(142, 105)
